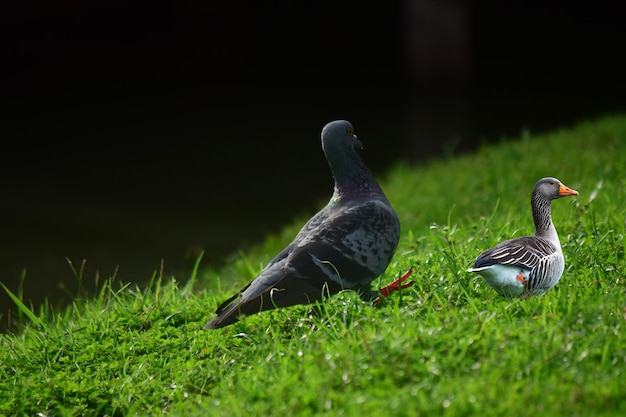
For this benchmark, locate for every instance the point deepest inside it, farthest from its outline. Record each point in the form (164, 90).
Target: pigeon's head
(352, 178)
(338, 136)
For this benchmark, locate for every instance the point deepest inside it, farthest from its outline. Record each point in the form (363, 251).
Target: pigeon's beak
(357, 143)
(565, 190)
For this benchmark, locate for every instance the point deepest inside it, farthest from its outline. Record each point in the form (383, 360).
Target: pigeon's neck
(353, 179)
(542, 216)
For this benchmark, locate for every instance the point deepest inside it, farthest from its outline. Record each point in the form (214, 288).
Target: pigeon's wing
(277, 286)
(352, 247)
(253, 300)
(346, 248)
(319, 220)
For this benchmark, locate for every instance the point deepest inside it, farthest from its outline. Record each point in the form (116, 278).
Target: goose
(528, 265)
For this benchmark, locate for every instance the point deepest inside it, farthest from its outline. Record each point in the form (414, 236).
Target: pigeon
(528, 265)
(344, 246)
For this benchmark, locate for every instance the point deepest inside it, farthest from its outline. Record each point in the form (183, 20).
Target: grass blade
(22, 307)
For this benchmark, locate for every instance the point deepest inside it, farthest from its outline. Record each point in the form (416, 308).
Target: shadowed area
(135, 133)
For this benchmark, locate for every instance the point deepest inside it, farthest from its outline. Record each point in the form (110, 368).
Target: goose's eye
(349, 131)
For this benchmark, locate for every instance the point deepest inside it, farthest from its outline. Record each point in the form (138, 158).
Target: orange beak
(565, 190)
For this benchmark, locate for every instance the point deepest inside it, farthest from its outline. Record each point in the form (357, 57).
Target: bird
(528, 265)
(344, 246)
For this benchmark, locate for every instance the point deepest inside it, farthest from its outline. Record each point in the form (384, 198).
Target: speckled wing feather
(338, 244)
(352, 247)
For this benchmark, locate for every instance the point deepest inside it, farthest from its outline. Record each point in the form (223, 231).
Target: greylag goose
(528, 265)
(346, 245)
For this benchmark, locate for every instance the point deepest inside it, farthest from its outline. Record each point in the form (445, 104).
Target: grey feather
(346, 245)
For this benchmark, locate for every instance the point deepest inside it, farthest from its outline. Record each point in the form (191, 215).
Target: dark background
(140, 131)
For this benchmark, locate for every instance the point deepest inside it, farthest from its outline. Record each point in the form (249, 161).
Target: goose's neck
(542, 217)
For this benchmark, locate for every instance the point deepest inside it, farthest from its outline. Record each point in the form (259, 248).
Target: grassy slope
(449, 346)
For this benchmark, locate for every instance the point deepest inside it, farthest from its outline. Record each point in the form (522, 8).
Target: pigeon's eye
(349, 131)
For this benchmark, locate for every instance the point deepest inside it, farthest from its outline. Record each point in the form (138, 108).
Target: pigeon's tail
(292, 292)
(225, 318)
(218, 322)
(233, 309)
(228, 314)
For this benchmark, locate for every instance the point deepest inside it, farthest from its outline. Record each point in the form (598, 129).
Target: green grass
(449, 346)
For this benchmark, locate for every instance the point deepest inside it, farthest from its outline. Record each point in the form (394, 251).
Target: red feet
(396, 285)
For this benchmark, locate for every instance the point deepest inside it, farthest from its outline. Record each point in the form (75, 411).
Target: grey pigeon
(528, 265)
(346, 245)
